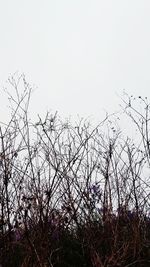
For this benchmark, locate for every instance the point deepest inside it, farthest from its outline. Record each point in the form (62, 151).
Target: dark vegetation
(72, 195)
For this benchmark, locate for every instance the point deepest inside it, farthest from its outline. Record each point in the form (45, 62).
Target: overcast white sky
(79, 53)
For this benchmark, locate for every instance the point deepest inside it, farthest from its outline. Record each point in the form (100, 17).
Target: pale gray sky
(79, 53)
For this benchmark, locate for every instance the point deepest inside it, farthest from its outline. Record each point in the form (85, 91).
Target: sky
(78, 55)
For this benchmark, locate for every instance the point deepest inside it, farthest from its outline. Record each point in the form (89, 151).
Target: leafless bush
(60, 176)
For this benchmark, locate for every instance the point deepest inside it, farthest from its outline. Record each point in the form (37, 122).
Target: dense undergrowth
(72, 194)
(118, 241)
